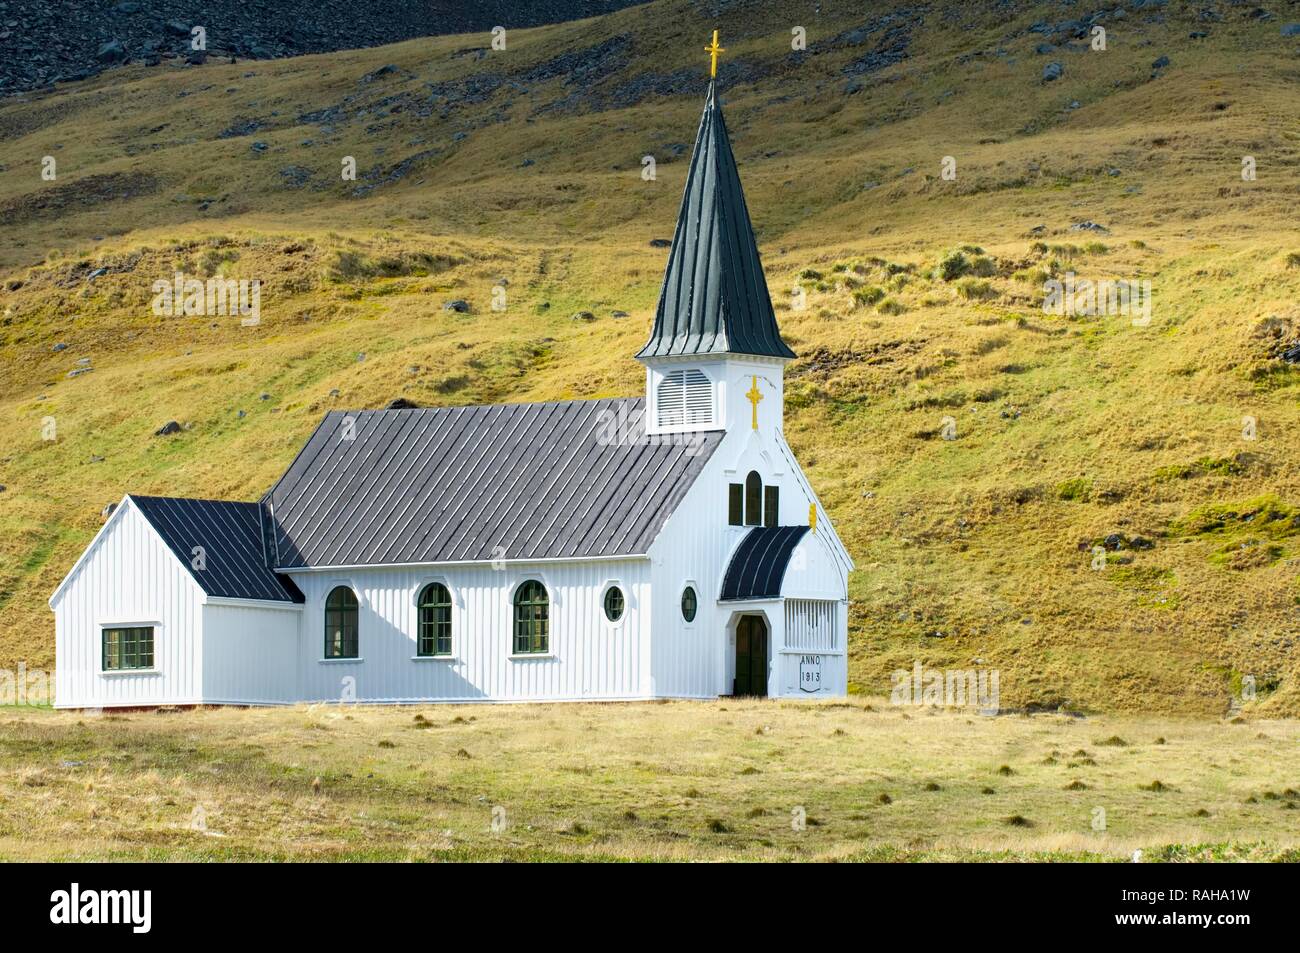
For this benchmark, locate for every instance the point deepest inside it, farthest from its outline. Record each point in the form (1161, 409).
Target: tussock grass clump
(972, 289)
(869, 295)
(1076, 785)
(952, 266)
(1018, 820)
(883, 798)
(716, 826)
(1114, 741)
(1006, 771)
(1077, 490)
(932, 786)
(1156, 785)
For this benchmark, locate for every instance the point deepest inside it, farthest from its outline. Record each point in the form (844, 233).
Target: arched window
(532, 619)
(689, 603)
(435, 621)
(613, 603)
(341, 623)
(753, 499)
(685, 398)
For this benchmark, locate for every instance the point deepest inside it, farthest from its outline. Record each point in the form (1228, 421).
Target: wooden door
(751, 656)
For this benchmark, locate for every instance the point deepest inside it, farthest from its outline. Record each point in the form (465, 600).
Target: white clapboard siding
(128, 577)
(589, 658)
(250, 654)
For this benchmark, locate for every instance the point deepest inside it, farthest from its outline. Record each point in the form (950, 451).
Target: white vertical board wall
(128, 577)
(250, 654)
(693, 660)
(589, 658)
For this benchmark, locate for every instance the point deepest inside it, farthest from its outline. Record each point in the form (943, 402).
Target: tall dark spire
(714, 298)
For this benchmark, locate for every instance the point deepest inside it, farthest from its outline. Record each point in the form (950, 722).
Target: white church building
(618, 549)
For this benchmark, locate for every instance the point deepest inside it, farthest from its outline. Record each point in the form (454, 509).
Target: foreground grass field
(673, 781)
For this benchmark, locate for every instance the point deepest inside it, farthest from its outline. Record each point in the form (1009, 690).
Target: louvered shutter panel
(685, 398)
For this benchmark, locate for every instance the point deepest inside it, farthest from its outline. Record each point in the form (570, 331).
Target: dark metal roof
(758, 566)
(714, 298)
(230, 534)
(473, 484)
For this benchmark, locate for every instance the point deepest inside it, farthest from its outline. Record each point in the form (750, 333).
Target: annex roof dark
(714, 298)
(758, 565)
(230, 534)
(508, 481)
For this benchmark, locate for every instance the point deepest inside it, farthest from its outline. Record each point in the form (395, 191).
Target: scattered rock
(111, 52)
(385, 70)
(1160, 63)
(459, 305)
(1052, 71)
(260, 146)
(1291, 29)
(583, 316)
(661, 243)
(107, 511)
(167, 429)
(78, 371)
(618, 314)
(401, 403)
(59, 347)
(1088, 227)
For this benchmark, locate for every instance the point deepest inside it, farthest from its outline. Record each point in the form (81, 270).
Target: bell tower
(715, 359)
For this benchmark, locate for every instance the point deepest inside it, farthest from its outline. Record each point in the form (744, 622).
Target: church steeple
(714, 299)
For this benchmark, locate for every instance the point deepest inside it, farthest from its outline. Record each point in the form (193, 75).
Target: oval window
(689, 604)
(613, 603)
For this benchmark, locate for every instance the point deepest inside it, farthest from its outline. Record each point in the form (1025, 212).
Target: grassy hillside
(525, 164)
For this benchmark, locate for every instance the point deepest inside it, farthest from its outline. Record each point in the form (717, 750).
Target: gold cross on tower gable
(713, 50)
(754, 396)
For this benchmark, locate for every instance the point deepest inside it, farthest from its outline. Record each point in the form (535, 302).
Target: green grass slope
(526, 164)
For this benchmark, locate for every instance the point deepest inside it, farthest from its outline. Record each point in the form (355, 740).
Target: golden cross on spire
(713, 50)
(754, 396)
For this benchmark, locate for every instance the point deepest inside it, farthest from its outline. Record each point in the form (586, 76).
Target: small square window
(128, 649)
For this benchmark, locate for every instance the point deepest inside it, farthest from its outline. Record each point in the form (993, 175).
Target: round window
(689, 604)
(613, 603)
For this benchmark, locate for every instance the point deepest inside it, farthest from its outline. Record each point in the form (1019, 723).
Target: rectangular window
(127, 649)
(771, 505)
(435, 630)
(736, 504)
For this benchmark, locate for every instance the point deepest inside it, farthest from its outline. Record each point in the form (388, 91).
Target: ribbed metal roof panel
(472, 484)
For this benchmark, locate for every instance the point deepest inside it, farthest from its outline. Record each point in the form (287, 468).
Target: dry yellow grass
(674, 781)
(1068, 430)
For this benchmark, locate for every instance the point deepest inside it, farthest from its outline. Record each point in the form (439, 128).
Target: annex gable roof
(234, 564)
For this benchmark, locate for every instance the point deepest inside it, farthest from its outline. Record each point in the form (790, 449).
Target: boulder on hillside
(167, 429)
(1052, 71)
(111, 52)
